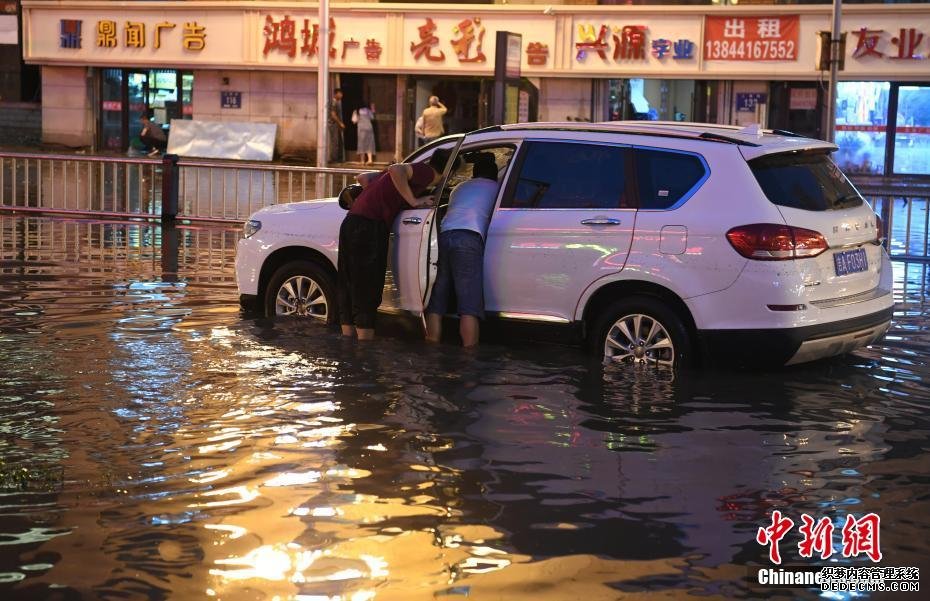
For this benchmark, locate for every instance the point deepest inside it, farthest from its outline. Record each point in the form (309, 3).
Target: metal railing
(138, 187)
(122, 187)
(905, 213)
(229, 191)
(225, 191)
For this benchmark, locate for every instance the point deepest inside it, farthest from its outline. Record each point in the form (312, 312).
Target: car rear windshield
(808, 180)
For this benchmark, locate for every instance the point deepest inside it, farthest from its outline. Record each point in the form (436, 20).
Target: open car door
(429, 245)
(414, 249)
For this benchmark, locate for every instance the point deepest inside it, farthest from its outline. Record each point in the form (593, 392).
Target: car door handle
(600, 221)
(412, 220)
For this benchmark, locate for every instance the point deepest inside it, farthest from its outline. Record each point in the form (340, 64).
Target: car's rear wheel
(642, 330)
(301, 288)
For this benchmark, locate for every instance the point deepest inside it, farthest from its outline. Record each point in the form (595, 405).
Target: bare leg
(348, 330)
(468, 328)
(433, 327)
(365, 333)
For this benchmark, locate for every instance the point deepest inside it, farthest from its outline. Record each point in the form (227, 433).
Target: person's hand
(426, 201)
(342, 126)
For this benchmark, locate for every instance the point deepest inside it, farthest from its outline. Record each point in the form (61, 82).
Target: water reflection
(157, 444)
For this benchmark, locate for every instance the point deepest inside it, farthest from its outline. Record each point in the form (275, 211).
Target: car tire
(302, 288)
(642, 330)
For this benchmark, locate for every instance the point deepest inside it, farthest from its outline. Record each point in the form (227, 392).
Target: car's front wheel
(642, 330)
(301, 288)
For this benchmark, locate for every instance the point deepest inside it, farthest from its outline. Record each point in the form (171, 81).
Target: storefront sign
(907, 44)
(802, 99)
(746, 101)
(637, 41)
(449, 42)
(628, 42)
(738, 38)
(512, 60)
(230, 100)
(103, 33)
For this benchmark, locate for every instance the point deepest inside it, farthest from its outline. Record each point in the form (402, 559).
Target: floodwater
(155, 444)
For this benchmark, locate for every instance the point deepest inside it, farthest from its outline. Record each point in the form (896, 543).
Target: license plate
(850, 261)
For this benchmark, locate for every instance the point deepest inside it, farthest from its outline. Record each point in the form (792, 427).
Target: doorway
(127, 94)
(380, 91)
(796, 106)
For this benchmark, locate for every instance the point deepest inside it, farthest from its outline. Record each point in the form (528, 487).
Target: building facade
(104, 63)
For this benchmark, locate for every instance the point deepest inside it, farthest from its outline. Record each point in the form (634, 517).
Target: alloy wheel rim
(639, 339)
(303, 296)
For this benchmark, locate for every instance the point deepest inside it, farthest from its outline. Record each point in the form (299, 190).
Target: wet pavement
(155, 443)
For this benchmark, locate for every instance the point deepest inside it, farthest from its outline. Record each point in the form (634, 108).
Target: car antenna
(753, 129)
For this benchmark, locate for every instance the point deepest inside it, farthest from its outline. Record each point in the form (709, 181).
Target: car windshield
(806, 180)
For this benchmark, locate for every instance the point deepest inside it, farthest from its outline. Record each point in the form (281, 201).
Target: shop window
(569, 175)
(912, 131)
(650, 99)
(861, 125)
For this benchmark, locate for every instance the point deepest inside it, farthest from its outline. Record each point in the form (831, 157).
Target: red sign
(802, 99)
(901, 129)
(751, 38)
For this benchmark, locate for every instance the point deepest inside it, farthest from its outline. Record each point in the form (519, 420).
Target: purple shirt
(380, 199)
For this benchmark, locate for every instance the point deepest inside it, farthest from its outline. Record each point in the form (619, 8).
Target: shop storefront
(127, 94)
(246, 61)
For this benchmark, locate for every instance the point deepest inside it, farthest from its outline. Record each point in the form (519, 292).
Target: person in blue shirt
(461, 252)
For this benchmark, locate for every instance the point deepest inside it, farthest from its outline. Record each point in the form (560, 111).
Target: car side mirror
(348, 195)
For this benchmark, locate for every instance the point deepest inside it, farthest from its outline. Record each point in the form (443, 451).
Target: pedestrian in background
(432, 119)
(153, 136)
(364, 235)
(363, 118)
(335, 127)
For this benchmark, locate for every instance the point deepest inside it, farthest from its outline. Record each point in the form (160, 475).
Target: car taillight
(879, 228)
(773, 242)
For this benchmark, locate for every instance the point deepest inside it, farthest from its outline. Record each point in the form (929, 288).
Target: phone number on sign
(758, 50)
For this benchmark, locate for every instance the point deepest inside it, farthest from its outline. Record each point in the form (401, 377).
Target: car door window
(465, 171)
(569, 175)
(666, 179)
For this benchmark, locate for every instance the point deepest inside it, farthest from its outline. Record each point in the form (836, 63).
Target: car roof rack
(666, 129)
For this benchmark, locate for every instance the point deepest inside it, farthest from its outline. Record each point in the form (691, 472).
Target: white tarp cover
(222, 139)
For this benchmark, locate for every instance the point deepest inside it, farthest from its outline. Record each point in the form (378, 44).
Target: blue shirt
(470, 206)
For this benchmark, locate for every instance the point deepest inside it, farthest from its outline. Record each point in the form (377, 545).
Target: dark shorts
(461, 271)
(363, 248)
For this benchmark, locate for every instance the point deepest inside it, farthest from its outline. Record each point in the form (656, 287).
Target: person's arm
(337, 119)
(442, 107)
(366, 178)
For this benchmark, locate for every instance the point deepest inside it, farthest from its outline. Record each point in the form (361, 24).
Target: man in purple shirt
(364, 234)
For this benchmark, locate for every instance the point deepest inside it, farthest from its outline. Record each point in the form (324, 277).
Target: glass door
(111, 109)
(137, 84)
(912, 131)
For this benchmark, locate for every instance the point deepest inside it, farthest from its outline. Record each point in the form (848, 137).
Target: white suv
(654, 242)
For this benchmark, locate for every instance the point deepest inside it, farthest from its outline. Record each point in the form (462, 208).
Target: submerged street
(156, 443)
